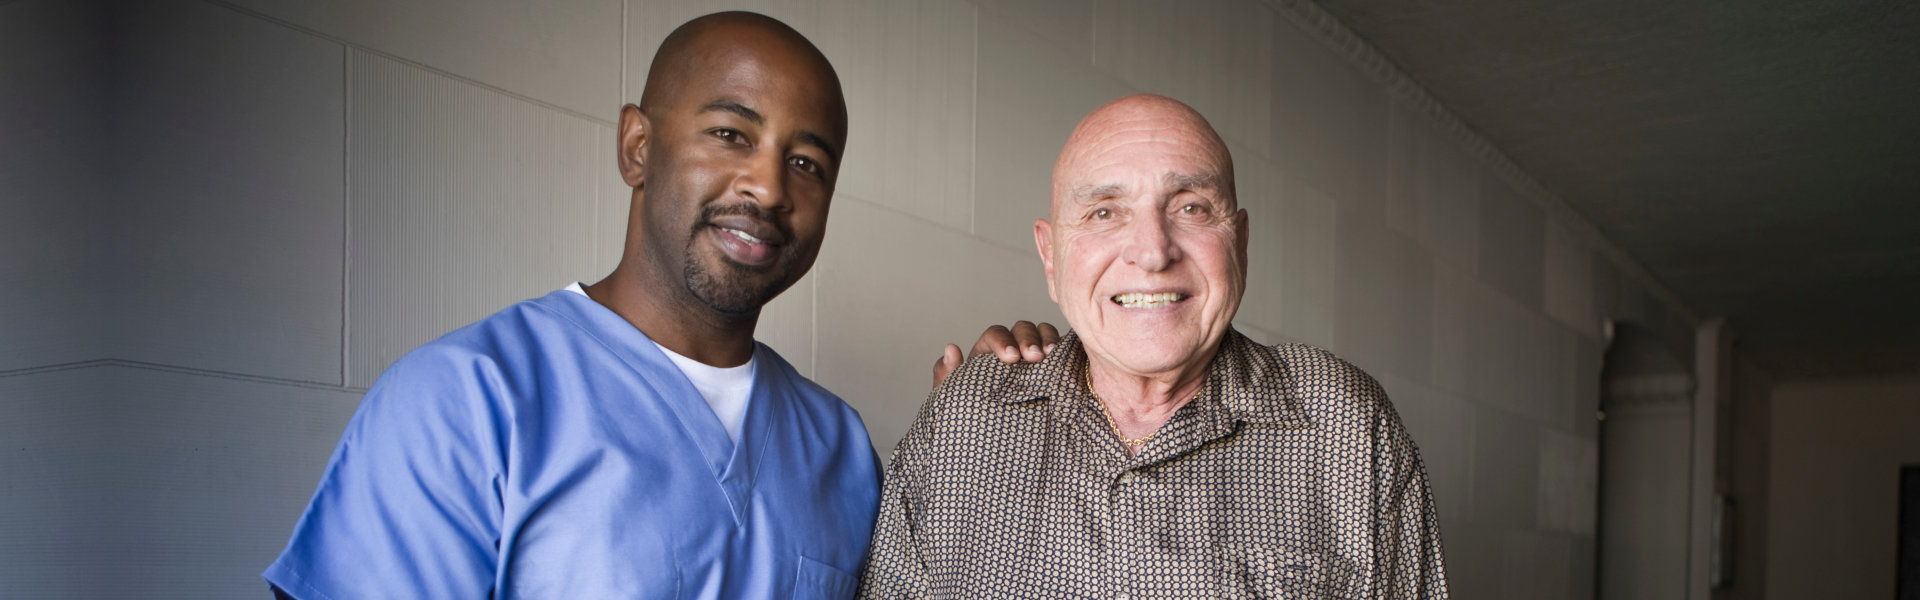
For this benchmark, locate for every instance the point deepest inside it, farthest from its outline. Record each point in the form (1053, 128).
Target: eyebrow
(1086, 192)
(758, 119)
(1190, 181)
(735, 108)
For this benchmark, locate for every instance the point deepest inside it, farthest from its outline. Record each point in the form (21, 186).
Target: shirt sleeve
(894, 566)
(409, 504)
(1407, 554)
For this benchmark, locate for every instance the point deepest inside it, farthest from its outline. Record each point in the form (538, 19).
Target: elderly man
(1155, 453)
(628, 439)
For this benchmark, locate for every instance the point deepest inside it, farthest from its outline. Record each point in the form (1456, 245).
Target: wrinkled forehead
(1128, 151)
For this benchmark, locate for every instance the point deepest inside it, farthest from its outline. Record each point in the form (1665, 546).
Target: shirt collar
(1246, 378)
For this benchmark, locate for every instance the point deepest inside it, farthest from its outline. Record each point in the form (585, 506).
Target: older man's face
(1145, 250)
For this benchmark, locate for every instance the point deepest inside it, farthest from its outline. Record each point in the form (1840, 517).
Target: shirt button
(1120, 596)
(1126, 478)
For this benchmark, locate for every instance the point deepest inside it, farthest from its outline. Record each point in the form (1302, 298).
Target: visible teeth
(742, 235)
(1139, 300)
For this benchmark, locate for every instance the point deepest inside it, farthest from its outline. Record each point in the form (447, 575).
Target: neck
(671, 316)
(1141, 403)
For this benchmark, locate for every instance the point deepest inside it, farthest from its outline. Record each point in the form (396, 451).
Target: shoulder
(985, 383)
(810, 396)
(1324, 382)
(469, 370)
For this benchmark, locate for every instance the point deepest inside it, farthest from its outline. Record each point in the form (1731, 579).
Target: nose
(763, 180)
(1150, 244)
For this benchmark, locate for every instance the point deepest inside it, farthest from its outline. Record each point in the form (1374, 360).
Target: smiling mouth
(1142, 300)
(742, 236)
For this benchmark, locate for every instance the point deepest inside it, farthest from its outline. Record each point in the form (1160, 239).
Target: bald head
(717, 40)
(1165, 128)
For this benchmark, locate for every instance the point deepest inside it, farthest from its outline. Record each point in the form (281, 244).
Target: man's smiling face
(742, 157)
(1145, 248)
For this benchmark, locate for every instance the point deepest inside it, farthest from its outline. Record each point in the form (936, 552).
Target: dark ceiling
(1761, 158)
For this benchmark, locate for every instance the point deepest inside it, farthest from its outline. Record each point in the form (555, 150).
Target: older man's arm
(894, 566)
(1408, 562)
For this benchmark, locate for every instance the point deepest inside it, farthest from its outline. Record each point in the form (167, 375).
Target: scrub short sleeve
(409, 505)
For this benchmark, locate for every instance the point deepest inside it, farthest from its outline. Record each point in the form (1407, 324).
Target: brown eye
(1102, 214)
(806, 164)
(728, 135)
(1193, 210)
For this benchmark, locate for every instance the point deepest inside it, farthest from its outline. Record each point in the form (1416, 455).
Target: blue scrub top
(552, 451)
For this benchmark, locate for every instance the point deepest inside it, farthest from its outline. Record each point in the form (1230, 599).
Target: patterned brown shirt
(1290, 476)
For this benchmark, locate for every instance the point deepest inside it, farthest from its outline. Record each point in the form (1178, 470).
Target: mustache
(748, 209)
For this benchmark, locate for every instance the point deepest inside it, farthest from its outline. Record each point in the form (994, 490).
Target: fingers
(1027, 336)
(1049, 337)
(998, 341)
(944, 366)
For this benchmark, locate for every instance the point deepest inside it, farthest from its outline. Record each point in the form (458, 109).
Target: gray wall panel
(1512, 243)
(53, 61)
(213, 472)
(894, 289)
(465, 200)
(562, 52)
(57, 486)
(231, 193)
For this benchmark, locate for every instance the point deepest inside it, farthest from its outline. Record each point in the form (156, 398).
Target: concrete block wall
(297, 193)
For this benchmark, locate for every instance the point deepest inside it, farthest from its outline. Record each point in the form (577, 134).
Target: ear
(632, 145)
(1043, 241)
(1240, 239)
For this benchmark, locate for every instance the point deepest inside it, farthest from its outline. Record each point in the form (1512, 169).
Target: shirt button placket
(1125, 521)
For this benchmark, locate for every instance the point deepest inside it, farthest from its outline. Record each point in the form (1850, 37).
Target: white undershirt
(726, 389)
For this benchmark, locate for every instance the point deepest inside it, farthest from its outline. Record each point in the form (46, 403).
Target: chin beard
(728, 287)
(731, 290)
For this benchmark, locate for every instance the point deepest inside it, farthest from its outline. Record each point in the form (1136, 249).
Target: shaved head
(714, 39)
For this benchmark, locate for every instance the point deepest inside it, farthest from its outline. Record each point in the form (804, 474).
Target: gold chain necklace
(1086, 375)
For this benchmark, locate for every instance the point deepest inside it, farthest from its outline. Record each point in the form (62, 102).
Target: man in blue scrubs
(628, 439)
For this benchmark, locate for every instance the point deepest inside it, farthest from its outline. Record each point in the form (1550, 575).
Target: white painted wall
(271, 200)
(1837, 449)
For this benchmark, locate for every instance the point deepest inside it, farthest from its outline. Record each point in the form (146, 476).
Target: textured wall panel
(231, 194)
(786, 324)
(615, 198)
(1569, 281)
(52, 196)
(1473, 557)
(907, 68)
(1501, 355)
(1307, 256)
(1442, 427)
(564, 52)
(1030, 97)
(464, 200)
(892, 290)
(1216, 56)
(1454, 297)
(1506, 469)
(1569, 483)
(1433, 189)
(1067, 25)
(57, 536)
(1512, 242)
(1383, 290)
(1330, 121)
(1535, 565)
(1259, 186)
(212, 474)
